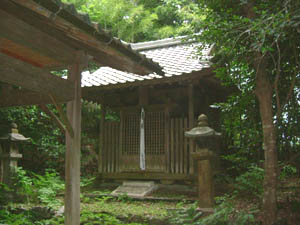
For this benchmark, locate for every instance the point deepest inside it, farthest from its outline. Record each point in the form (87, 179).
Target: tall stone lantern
(206, 152)
(9, 153)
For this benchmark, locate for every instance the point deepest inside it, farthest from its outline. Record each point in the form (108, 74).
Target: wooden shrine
(38, 37)
(171, 106)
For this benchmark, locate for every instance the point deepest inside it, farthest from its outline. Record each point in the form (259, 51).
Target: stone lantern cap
(13, 135)
(202, 130)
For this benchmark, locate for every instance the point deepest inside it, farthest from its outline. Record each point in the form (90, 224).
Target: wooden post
(191, 124)
(101, 139)
(73, 144)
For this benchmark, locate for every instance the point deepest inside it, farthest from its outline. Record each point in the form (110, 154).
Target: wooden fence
(177, 158)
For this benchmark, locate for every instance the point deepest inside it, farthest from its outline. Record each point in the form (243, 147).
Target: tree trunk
(264, 92)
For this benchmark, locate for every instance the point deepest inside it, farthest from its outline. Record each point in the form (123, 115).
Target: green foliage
(124, 198)
(225, 214)
(140, 20)
(90, 218)
(8, 217)
(287, 171)
(47, 187)
(45, 148)
(37, 187)
(250, 183)
(23, 183)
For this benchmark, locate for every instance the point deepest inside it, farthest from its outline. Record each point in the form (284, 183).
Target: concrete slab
(137, 189)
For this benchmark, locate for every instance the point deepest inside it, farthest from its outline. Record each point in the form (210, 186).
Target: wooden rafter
(16, 72)
(28, 43)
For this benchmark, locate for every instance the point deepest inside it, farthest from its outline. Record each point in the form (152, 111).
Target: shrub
(251, 182)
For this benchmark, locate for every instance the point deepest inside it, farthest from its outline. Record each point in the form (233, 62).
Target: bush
(47, 188)
(37, 187)
(251, 182)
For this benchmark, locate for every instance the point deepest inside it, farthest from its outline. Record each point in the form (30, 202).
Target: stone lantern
(9, 153)
(206, 152)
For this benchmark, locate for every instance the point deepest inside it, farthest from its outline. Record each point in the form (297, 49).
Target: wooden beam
(73, 145)
(10, 97)
(32, 43)
(24, 75)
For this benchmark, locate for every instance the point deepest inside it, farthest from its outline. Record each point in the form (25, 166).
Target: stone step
(137, 189)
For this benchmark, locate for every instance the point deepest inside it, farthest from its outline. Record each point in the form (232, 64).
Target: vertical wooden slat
(191, 124)
(181, 157)
(117, 146)
(167, 140)
(120, 141)
(177, 161)
(185, 150)
(106, 145)
(101, 139)
(109, 160)
(172, 145)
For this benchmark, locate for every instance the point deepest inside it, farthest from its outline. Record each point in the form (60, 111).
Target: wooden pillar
(191, 117)
(101, 139)
(73, 144)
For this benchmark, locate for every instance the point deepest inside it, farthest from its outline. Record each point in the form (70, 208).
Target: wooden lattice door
(154, 141)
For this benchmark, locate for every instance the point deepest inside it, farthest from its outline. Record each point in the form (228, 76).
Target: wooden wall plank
(121, 139)
(181, 155)
(167, 140)
(185, 149)
(172, 158)
(101, 138)
(177, 149)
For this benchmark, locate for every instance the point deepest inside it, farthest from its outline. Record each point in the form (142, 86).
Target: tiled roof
(174, 56)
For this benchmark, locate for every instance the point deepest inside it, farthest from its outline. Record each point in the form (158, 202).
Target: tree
(259, 41)
(140, 20)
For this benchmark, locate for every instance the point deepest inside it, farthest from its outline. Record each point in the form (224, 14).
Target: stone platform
(137, 189)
